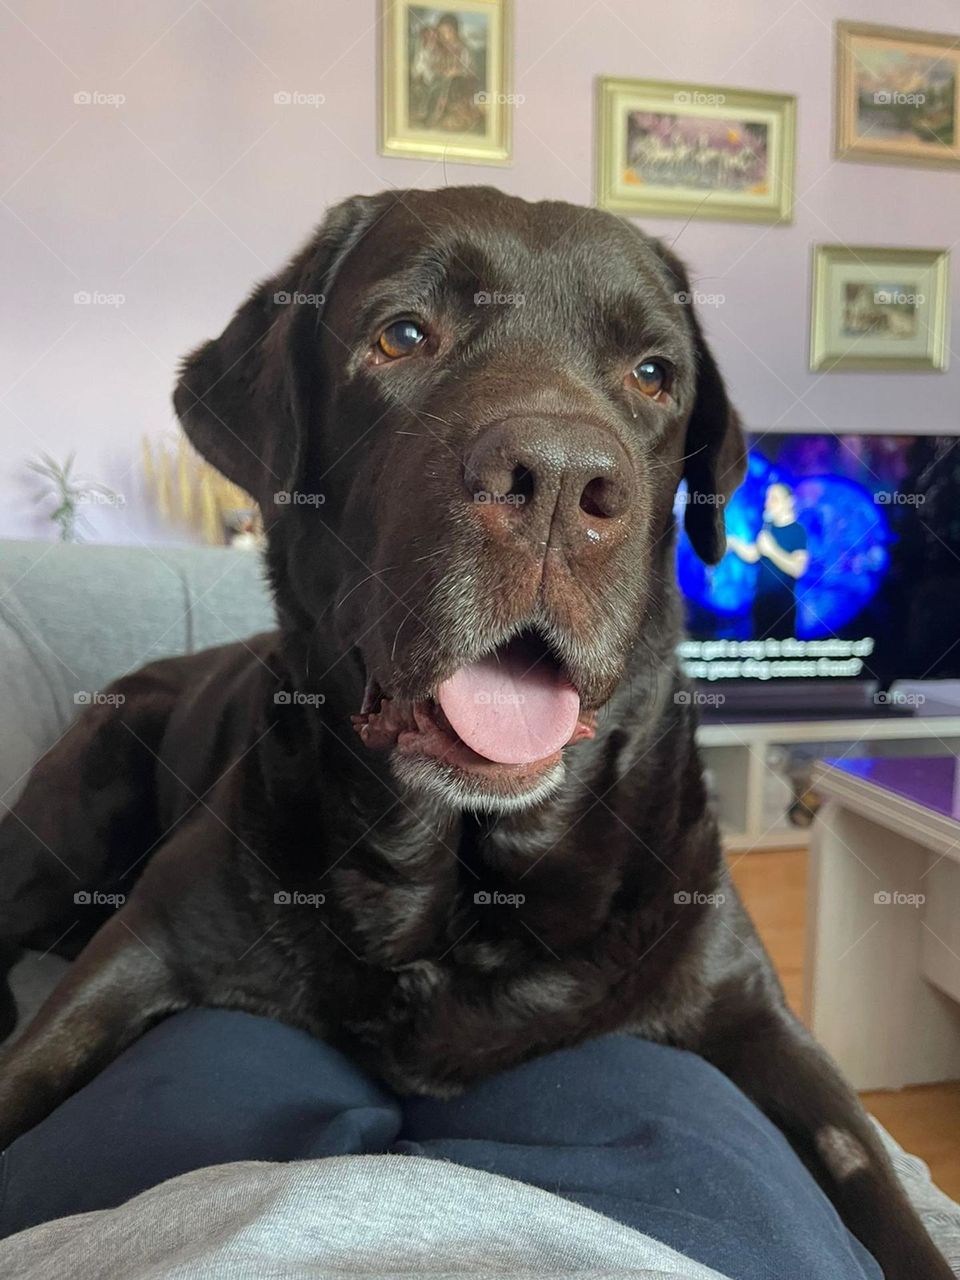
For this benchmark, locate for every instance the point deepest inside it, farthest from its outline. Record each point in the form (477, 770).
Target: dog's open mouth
(510, 713)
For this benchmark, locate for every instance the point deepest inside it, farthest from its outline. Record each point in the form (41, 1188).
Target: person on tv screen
(781, 553)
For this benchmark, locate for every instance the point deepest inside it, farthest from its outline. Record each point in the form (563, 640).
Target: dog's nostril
(599, 498)
(522, 483)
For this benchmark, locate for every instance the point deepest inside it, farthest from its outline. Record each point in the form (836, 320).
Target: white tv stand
(751, 797)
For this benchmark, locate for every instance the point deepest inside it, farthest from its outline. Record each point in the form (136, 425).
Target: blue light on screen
(848, 540)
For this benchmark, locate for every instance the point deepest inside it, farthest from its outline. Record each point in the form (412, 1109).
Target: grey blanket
(372, 1216)
(349, 1216)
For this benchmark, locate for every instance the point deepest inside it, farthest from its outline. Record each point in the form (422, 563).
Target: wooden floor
(924, 1119)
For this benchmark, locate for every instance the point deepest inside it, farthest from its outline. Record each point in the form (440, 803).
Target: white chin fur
(458, 790)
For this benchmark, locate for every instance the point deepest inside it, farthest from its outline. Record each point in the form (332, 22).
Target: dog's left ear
(715, 450)
(244, 398)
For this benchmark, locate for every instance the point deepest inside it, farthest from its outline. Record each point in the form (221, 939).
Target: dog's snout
(531, 471)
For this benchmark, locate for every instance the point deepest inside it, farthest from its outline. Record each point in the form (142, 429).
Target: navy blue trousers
(651, 1136)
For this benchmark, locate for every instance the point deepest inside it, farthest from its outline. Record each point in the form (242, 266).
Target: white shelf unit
(751, 797)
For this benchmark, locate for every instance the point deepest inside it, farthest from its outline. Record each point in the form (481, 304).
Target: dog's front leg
(775, 1061)
(118, 986)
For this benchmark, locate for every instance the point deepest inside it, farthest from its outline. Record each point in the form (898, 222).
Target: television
(842, 568)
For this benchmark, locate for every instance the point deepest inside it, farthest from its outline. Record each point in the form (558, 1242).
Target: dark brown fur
(212, 795)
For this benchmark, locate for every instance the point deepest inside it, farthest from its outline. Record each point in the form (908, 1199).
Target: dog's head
(465, 418)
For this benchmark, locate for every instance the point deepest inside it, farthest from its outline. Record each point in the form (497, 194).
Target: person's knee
(595, 1094)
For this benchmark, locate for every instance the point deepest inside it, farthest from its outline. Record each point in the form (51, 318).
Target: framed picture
(685, 150)
(878, 308)
(445, 80)
(897, 95)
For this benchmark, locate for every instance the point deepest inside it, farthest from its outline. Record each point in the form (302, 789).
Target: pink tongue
(511, 708)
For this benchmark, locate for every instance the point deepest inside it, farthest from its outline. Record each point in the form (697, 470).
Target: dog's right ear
(244, 398)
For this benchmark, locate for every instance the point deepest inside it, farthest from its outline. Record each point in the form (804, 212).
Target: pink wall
(198, 184)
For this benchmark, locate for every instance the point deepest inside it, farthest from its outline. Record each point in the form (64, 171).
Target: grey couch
(74, 618)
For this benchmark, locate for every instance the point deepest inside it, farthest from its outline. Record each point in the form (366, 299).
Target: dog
(451, 814)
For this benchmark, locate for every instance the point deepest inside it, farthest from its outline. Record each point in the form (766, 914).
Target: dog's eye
(652, 378)
(400, 339)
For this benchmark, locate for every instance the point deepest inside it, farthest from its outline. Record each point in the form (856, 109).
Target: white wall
(198, 184)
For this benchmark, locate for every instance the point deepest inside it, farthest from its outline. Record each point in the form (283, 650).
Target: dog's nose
(531, 471)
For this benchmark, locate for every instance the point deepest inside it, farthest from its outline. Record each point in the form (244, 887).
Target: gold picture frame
(879, 308)
(897, 96)
(445, 80)
(664, 149)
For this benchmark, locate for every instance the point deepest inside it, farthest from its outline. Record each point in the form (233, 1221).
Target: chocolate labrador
(451, 814)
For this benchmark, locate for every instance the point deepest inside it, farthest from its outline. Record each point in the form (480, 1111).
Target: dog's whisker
(396, 636)
(436, 417)
(376, 573)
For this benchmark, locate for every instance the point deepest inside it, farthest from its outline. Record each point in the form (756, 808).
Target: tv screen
(843, 563)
